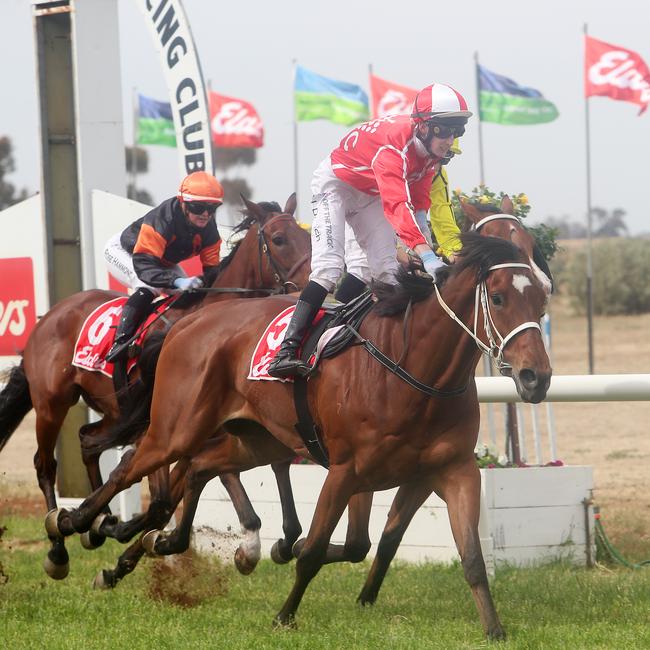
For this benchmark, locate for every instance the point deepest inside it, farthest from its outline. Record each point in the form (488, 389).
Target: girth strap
(306, 427)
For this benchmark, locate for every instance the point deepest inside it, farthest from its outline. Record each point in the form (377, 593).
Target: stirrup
(116, 351)
(289, 368)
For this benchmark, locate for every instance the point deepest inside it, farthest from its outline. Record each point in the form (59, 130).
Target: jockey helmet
(439, 103)
(201, 187)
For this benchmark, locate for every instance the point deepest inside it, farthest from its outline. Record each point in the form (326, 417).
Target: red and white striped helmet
(439, 101)
(201, 186)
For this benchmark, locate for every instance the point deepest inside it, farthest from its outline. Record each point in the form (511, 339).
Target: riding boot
(350, 288)
(286, 362)
(132, 313)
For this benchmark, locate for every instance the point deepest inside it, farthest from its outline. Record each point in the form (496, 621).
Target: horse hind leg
(335, 494)
(406, 503)
(126, 563)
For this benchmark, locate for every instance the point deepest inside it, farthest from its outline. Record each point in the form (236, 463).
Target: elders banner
(234, 122)
(615, 72)
(388, 98)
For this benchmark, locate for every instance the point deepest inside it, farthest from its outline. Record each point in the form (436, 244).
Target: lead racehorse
(379, 430)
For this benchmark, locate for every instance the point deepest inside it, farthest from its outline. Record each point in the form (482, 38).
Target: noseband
(279, 275)
(496, 343)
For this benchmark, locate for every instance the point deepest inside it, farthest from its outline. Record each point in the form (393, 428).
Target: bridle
(494, 217)
(279, 274)
(496, 342)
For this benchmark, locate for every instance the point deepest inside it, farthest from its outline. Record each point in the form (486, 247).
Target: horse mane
(478, 252)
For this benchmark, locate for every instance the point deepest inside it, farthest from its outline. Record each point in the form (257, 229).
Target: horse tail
(133, 423)
(15, 403)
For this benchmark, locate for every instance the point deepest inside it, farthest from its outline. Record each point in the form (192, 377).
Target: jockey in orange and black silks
(146, 255)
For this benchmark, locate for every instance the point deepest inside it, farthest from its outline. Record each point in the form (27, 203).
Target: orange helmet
(201, 186)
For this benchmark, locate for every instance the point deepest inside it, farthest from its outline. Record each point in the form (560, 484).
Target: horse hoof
(296, 549)
(277, 556)
(90, 540)
(51, 523)
(284, 623)
(244, 565)
(56, 571)
(149, 542)
(100, 582)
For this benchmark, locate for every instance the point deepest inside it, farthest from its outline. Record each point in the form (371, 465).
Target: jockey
(377, 181)
(146, 254)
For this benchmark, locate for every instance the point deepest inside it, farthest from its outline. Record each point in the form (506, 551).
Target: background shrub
(621, 277)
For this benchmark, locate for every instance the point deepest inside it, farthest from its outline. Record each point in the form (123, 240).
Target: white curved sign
(171, 33)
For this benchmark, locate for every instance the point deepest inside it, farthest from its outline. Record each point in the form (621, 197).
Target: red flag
(234, 122)
(388, 98)
(615, 72)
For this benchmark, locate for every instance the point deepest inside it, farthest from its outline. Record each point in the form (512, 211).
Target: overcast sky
(246, 49)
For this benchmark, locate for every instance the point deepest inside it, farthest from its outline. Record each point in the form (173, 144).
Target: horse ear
(471, 212)
(291, 204)
(507, 207)
(254, 210)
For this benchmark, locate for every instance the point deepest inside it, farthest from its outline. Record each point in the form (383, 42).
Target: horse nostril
(528, 377)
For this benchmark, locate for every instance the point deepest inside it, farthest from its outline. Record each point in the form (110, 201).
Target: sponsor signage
(17, 311)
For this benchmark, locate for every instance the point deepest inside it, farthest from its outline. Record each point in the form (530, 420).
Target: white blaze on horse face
(542, 277)
(520, 282)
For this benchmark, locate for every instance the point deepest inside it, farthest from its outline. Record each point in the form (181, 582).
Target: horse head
(502, 222)
(283, 247)
(512, 301)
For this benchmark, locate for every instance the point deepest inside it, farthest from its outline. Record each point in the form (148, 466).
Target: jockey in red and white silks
(377, 181)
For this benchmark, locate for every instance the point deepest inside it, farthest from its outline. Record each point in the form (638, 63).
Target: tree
(8, 194)
(229, 160)
(140, 158)
(609, 224)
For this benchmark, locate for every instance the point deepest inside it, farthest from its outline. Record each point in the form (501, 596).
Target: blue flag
(321, 98)
(504, 101)
(155, 122)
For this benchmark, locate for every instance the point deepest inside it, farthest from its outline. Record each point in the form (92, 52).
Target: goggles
(199, 207)
(443, 132)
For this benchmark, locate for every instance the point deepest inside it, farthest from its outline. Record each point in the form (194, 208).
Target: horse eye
(278, 240)
(497, 299)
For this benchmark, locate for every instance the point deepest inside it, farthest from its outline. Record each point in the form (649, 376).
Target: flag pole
(372, 98)
(134, 158)
(480, 129)
(296, 178)
(590, 311)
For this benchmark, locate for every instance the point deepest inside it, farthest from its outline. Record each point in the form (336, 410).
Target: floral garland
(485, 199)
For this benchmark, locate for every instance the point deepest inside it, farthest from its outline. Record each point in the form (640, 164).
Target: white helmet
(440, 102)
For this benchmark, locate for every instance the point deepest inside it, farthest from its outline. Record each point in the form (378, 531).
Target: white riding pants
(120, 266)
(367, 246)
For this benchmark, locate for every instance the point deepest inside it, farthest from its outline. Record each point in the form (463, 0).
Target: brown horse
(207, 463)
(379, 430)
(272, 257)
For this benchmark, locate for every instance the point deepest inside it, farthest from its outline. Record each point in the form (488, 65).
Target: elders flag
(615, 72)
(234, 122)
(388, 98)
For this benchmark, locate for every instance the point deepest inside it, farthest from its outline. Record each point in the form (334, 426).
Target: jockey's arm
(443, 222)
(148, 259)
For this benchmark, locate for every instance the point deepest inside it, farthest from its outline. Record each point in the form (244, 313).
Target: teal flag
(504, 101)
(320, 98)
(155, 122)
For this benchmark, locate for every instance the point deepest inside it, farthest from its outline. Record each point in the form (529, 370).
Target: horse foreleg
(461, 489)
(334, 496)
(281, 551)
(405, 504)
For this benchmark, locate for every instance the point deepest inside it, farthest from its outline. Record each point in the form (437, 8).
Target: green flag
(155, 123)
(504, 101)
(320, 98)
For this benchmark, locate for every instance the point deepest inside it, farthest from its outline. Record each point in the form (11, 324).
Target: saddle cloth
(327, 336)
(98, 333)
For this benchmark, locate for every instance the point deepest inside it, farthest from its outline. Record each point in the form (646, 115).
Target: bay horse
(379, 431)
(489, 220)
(272, 257)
